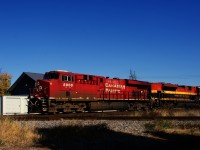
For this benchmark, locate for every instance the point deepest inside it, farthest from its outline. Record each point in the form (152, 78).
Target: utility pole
(132, 75)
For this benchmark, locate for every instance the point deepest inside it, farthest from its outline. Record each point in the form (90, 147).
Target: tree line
(5, 83)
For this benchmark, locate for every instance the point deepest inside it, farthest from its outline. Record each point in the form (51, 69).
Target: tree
(5, 82)
(132, 75)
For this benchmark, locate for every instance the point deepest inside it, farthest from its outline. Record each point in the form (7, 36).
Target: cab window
(51, 75)
(67, 78)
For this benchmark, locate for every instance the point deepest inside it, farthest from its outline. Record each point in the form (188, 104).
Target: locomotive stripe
(175, 99)
(174, 92)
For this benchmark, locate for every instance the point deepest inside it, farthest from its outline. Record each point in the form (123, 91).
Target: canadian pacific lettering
(113, 88)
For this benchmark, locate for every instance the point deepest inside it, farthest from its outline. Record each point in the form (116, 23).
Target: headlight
(40, 88)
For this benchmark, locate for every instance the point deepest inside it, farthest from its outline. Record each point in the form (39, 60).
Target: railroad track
(97, 116)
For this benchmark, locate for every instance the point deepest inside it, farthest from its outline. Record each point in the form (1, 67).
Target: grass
(169, 113)
(178, 112)
(168, 127)
(13, 133)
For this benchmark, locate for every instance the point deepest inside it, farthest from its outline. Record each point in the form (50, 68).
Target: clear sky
(158, 39)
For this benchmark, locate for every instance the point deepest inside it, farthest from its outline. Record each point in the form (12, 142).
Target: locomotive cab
(55, 85)
(60, 83)
(48, 83)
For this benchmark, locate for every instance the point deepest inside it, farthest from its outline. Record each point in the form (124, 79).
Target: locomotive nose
(38, 86)
(41, 88)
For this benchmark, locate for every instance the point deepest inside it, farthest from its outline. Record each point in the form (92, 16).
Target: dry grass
(169, 113)
(168, 127)
(179, 112)
(13, 133)
(192, 131)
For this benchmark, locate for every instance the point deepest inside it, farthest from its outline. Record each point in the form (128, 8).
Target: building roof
(33, 76)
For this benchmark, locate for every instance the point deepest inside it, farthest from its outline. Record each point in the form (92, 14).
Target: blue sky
(158, 39)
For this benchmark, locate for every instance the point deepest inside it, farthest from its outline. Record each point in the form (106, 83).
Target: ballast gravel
(126, 126)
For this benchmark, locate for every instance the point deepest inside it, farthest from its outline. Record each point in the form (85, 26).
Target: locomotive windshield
(51, 75)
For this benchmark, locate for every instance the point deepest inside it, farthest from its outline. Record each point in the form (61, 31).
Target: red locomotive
(62, 91)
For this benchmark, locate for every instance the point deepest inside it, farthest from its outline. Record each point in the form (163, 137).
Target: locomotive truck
(63, 91)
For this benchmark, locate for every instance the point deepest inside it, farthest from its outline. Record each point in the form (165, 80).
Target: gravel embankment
(125, 126)
(109, 135)
(132, 127)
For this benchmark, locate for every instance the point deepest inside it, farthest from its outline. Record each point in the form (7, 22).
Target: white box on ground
(13, 105)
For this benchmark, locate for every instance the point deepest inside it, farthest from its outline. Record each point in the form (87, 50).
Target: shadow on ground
(99, 137)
